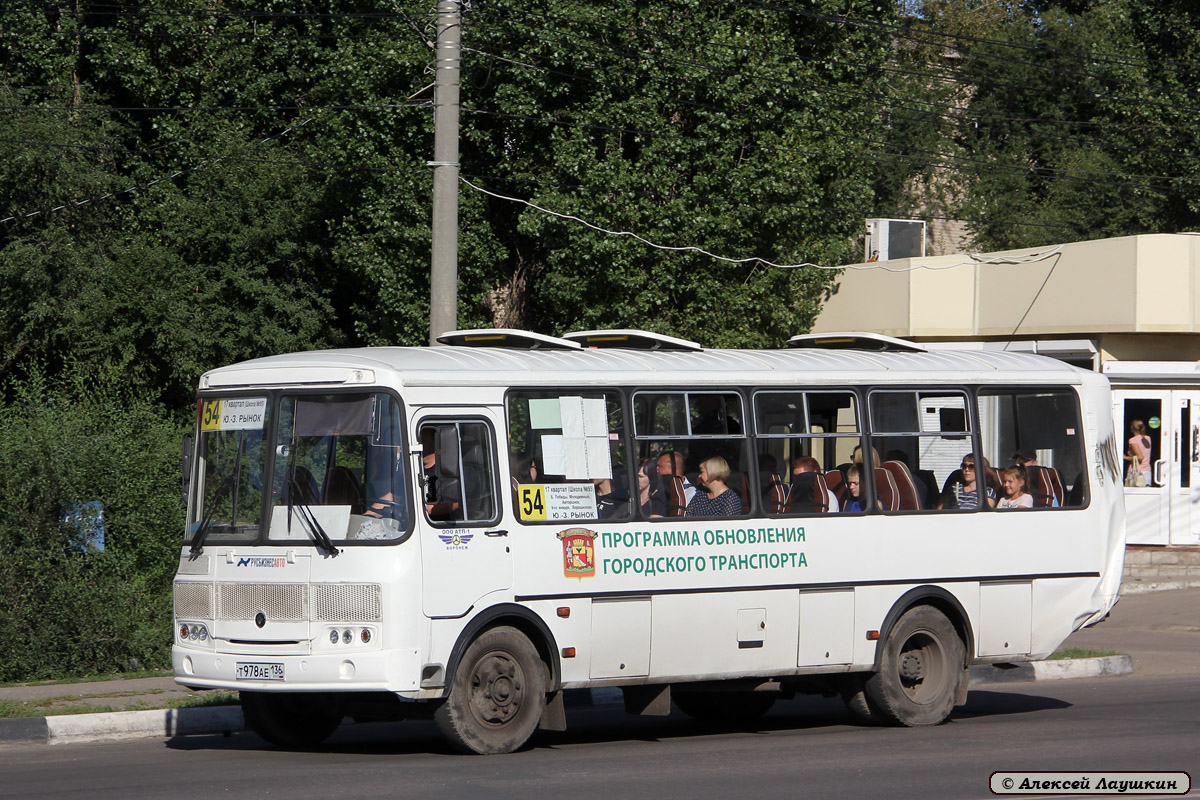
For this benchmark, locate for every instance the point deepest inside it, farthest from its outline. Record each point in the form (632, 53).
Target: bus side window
(458, 476)
(923, 439)
(801, 438)
(1040, 431)
(679, 431)
(567, 455)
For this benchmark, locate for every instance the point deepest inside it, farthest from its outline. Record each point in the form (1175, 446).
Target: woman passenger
(716, 499)
(964, 493)
(651, 496)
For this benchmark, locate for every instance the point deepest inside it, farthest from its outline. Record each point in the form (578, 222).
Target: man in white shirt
(671, 463)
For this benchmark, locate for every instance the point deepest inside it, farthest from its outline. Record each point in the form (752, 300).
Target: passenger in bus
(964, 492)
(857, 456)
(1015, 496)
(803, 487)
(671, 463)
(383, 469)
(651, 496)
(1025, 457)
(527, 470)
(443, 494)
(854, 484)
(716, 499)
(612, 501)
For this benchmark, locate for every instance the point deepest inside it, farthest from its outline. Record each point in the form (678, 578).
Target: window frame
(1070, 390)
(622, 398)
(419, 483)
(972, 434)
(860, 435)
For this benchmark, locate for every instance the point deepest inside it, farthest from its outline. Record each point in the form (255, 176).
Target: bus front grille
(346, 602)
(285, 602)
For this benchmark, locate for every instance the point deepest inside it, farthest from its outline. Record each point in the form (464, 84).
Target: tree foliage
(1060, 121)
(189, 183)
(68, 609)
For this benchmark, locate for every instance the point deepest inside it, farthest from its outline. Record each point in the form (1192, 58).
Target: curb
(159, 723)
(170, 722)
(1063, 669)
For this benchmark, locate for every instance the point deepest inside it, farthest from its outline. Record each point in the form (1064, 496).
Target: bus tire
(724, 706)
(919, 669)
(290, 719)
(497, 694)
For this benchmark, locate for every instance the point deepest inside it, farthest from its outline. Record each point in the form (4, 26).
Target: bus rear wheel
(919, 669)
(497, 694)
(291, 719)
(724, 706)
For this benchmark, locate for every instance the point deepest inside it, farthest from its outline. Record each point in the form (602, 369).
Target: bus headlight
(193, 632)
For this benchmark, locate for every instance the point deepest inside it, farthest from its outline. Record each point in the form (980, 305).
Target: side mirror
(186, 467)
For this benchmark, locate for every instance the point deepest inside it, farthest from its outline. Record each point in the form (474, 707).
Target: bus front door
(465, 552)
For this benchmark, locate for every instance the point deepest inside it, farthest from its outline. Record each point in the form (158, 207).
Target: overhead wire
(594, 190)
(971, 260)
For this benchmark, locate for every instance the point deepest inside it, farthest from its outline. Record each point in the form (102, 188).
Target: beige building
(1129, 307)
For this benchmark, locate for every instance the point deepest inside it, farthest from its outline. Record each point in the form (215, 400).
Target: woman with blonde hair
(716, 499)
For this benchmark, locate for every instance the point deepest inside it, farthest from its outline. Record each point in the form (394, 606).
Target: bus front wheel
(291, 719)
(919, 669)
(497, 694)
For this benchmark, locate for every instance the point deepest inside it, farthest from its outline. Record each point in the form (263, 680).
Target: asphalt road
(804, 748)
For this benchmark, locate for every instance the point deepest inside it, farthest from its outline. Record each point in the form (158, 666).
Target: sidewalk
(1158, 631)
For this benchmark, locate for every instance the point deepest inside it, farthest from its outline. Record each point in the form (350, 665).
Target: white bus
(465, 532)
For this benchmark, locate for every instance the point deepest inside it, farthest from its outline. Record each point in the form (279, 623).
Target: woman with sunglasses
(964, 492)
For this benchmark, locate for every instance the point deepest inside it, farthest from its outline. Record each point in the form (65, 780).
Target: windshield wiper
(206, 524)
(201, 533)
(309, 519)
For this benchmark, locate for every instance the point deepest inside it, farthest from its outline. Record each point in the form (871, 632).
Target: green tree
(690, 124)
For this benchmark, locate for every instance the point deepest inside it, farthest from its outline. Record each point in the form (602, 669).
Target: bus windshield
(232, 468)
(335, 469)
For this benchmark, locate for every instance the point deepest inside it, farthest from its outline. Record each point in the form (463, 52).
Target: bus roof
(499, 366)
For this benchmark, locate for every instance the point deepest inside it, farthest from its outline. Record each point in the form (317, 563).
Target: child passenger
(854, 484)
(1015, 496)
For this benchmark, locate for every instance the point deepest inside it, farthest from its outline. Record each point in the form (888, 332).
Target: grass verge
(1080, 652)
(55, 706)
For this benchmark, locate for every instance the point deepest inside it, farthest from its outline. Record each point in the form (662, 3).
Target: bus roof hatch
(631, 339)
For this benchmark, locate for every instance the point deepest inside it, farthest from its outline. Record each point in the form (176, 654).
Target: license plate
(259, 672)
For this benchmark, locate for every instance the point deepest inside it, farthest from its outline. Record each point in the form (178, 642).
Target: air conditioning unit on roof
(889, 239)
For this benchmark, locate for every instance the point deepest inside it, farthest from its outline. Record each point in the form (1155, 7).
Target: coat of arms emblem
(579, 552)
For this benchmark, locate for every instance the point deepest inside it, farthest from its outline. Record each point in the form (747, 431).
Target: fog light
(333, 637)
(195, 633)
(347, 636)
(203, 633)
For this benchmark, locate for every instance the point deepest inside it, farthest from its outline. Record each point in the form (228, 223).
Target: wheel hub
(911, 668)
(496, 689)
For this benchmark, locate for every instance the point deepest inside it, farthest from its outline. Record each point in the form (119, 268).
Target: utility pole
(443, 272)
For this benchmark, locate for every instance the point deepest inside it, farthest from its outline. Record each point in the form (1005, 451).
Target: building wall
(1144, 285)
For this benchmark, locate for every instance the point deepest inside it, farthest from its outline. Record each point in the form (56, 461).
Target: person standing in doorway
(1138, 455)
